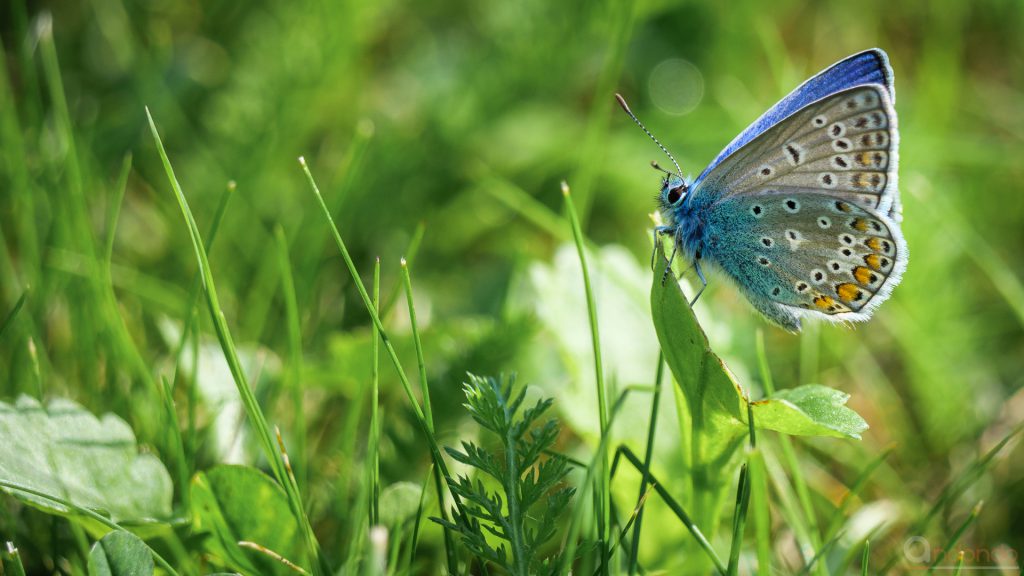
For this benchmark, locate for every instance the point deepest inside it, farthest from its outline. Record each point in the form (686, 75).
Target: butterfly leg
(668, 267)
(703, 282)
(658, 231)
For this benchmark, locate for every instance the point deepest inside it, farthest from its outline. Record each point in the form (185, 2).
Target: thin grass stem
(604, 479)
(295, 362)
(252, 408)
(645, 477)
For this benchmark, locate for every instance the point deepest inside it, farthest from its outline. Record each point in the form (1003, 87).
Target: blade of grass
(13, 313)
(177, 443)
(373, 458)
(592, 147)
(761, 512)
(414, 543)
(954, 489)
(435, 452)
(838, 516)
(808, 366)
(645, 478)
(864, 560)
(296, 369)
(22, 191)
(604, 479)
(742, 499)
(959, 563)
(449, 545)
(975, 512)
(252, 408)
(568, 553)
(410, 256)
(120, 189)
(420, 362)
(11, 560)
(820, 553)
(676, 509)
(626, 528)
(521, 202)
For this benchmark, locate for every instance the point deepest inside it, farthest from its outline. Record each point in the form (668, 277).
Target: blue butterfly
(802, 210)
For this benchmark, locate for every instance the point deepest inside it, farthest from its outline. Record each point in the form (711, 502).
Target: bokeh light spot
(676, 86)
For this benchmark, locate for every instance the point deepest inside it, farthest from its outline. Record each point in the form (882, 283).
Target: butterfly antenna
(625, 107)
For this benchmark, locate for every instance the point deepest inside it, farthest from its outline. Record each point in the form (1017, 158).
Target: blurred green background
(449, 125)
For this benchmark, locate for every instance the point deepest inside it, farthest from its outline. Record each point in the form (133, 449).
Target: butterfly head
(673, 192)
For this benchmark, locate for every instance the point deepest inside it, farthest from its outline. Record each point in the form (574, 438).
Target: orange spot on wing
(824, 302)
(864, 275)
(849, 292)
(859, 224)
(873, 260)
(874, 243)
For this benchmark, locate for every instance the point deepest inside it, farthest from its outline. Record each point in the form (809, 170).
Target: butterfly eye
(674, 194)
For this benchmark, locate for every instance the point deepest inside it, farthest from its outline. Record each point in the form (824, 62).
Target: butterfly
(801, 209)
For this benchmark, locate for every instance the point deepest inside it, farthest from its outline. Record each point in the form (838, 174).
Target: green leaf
(239, 503)
(65, 451)
(120, 553)
(810, 410)
(706, 382)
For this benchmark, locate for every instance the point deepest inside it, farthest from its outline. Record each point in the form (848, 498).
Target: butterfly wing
(868, 67)
(804, 253)
(845, 145)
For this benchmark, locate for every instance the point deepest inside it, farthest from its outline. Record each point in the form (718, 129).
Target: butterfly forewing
(867, 67)
(844, 145)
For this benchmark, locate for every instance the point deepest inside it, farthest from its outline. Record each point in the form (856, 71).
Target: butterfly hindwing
(806, 253)
(868, 67)
(844, 145)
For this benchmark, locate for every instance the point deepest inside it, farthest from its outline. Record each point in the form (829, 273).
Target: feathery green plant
(525, 518)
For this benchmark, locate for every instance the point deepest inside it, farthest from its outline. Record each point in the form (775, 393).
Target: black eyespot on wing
(794, 153)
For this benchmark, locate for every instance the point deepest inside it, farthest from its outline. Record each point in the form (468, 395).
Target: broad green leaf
(239, 503)
(120, 553)
(712, 396)
(65, 451)
(810, 410)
